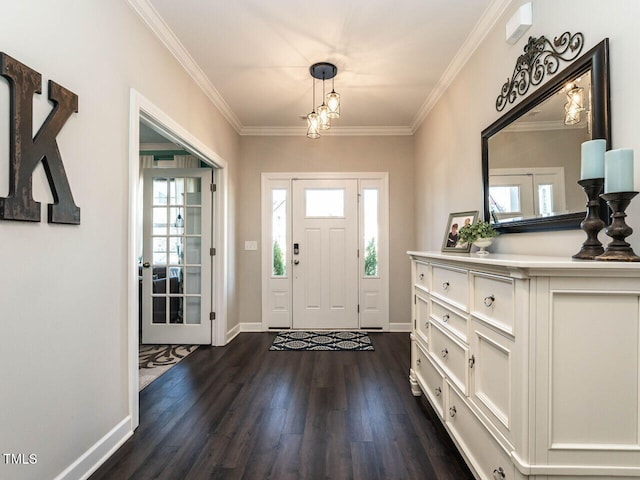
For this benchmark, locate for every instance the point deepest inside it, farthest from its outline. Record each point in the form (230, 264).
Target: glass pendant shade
(312, 125)
(323, 117)
(333, 102)
(573, 107)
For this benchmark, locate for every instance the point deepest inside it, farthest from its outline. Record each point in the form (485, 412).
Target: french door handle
(296, 262)
(146, 264)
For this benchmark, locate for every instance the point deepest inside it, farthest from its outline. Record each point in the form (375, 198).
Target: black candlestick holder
(618, 249)
(592, 223)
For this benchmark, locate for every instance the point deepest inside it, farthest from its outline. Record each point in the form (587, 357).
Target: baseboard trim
(233, 333)
(399, 327)
(99, 452)
(251, 327)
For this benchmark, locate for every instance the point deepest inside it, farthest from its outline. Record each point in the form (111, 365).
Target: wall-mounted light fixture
(330, 108)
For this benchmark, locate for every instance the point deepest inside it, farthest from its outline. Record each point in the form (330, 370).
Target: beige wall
(63, 295)
(447, 145)
(327, 154)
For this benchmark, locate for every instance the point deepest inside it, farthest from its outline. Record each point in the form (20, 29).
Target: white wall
(63, 297)
(328, 154)
(447, 145)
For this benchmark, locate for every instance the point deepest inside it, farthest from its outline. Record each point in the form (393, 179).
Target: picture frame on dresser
(457, 220)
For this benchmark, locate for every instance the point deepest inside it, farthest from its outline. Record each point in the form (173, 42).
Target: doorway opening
(177, 244)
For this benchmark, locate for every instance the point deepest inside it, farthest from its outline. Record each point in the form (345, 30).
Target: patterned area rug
(154, 360)
(333, 341)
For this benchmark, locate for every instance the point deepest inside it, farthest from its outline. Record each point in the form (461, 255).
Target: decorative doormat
(332, 341)
(154, 360)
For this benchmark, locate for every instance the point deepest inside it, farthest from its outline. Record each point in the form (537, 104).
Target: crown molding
(158, 26)
(154, 21)
(481, 29)
(333, 132)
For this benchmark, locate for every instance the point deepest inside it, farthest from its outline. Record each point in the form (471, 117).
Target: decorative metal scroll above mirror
(531, 155)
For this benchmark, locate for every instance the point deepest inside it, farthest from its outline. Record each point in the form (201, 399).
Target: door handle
(296, 262)
(146, 264)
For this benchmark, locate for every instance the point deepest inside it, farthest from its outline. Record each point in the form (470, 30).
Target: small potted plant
(480, 234)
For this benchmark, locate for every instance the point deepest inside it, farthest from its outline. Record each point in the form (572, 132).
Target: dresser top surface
(528, 262)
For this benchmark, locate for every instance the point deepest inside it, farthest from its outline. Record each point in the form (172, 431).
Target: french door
(176, 268)
(325, 254)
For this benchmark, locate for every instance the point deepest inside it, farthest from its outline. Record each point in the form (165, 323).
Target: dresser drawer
(422, 318)
(486, 455)
(494, 301)
(451, 285)
(450, 354)
(430, 379)
(422, 276)
(449, 320)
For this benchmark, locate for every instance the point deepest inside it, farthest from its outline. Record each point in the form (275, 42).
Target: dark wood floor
(242, 411)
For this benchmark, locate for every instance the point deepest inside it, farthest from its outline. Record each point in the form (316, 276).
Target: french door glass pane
(159, 250)
(194, 247)
(160, 192)
(176, 191)
(193, 310)
(194, 191)
(370, 227)
(159, 218)
(279, 232)
(159, 309)
(193, 280)
(193, 220)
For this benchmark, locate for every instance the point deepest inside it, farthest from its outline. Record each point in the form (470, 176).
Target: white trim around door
(373, 244)
(142, 109)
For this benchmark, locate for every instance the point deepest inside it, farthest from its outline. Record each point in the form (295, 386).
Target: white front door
(325, 254)
(176, 265)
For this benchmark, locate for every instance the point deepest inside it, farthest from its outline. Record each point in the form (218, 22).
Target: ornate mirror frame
(596, 60)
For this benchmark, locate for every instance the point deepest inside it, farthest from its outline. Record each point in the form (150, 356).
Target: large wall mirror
(531, 155)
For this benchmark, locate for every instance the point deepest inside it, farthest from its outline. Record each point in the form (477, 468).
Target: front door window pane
(279, 232)
(370, 227)
(325, 202)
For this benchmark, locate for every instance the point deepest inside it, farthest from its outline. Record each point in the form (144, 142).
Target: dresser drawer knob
(445, 285)
(452, 413)
(421, 276)
(488, 300)
(445, 318)
(445, 352)
(498, 474)
(438, 391)
(418, 362)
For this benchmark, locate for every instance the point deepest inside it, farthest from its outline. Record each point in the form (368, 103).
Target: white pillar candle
(592, 165)
(618, 170)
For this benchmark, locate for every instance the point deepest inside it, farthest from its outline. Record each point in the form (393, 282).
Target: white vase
(483, 243)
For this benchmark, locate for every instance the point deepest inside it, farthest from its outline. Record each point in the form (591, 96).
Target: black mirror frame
(596, 60)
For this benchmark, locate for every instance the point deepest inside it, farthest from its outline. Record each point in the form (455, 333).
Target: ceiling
(252, 57)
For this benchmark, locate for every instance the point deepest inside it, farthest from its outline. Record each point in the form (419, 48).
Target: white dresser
(532, 363)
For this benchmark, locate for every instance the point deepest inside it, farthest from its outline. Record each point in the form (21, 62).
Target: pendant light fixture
(312, 118)
(330, 107)
(333, 101)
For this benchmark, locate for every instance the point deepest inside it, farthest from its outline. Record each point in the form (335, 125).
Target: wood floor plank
(244, 412)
